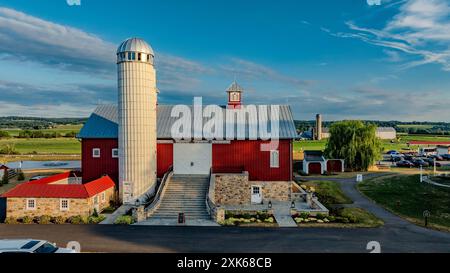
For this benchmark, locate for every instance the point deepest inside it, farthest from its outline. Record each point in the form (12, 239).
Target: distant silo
(318, 130)
(137, 119)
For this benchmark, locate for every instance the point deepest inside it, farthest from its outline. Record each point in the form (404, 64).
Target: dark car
(397, 158)
(431, 162)
(446, 157)
(420, 162)
(437, 157)
(409, 157)
(392, 152)
(405, 164)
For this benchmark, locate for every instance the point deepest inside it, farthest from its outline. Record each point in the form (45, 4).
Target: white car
(31, 246)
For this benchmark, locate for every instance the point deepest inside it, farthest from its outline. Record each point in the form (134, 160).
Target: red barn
(99, 138)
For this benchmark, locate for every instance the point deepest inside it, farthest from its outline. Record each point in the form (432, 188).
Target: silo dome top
(135, 45)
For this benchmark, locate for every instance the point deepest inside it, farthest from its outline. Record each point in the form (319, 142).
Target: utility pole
(421, 174)
(434, 166)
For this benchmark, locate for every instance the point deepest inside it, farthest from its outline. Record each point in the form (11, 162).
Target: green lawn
(406, 196)
(308, 145)
(329, 192)
(44, 146)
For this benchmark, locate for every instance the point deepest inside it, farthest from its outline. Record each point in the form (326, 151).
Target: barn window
(103, 197)
(31, 204)
(96, 153)
(115, 153)
(274, 159)
(64, 204)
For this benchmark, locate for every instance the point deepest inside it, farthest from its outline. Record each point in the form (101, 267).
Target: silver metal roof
(135, 45)
(235, 87)
(103, 123)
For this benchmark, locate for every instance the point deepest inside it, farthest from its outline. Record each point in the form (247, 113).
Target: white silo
(137, 119)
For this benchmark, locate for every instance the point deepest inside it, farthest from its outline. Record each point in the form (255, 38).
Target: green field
(61, 129)
(44, 146)
(400, 144)
(415, 126)
(406, 196)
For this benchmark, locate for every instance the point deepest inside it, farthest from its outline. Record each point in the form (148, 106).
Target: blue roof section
(103, 123)
(99, 127)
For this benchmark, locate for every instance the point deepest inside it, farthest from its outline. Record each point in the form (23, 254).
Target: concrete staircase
(186, 194)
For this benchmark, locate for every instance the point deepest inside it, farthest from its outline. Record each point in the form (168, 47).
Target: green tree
(356, 143)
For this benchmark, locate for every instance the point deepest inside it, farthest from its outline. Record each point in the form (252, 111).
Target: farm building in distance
(319, 132)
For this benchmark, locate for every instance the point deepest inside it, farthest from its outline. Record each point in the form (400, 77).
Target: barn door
(2, 209)
(192, 158)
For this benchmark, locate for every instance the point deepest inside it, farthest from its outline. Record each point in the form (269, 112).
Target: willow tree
(356, 143)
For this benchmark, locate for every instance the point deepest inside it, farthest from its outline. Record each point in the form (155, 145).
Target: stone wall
(232, 189)
(235, 189)
(16, 207)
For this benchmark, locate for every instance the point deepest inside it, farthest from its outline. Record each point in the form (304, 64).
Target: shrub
(95, 213)
(84, 220)
(262, 216)
(75, 220)
(27, 220)
(96, 220)
(59, 220)
(44, 220)
(124, 220)
(304, 215)
(320, 216)
(11, 221)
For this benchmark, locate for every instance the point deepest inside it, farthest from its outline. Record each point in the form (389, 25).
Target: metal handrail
(157, 199)
(210, 206)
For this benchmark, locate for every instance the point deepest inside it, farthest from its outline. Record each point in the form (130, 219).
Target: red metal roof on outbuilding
(44, 189)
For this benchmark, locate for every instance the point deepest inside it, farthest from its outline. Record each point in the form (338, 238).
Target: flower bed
(248, 219)
(351, 217)
(47, 220)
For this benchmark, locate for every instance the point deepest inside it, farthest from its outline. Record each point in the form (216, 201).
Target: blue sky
(345, 59)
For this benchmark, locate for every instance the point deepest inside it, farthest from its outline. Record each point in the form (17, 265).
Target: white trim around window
(115, 153)
(96, 153)
(64, 204)
(31, 204)
(274, 159)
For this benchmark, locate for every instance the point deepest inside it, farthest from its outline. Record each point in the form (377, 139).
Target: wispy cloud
(251, 70)
(420, 29)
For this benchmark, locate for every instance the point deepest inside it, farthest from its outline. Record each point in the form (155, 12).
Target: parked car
(397, 158)
(31, 246)
(392, 152)
(431, 162)
(437, 157)
(409, 157)
(38, 177)
(446, 157)
(420, 162)
(404, 164)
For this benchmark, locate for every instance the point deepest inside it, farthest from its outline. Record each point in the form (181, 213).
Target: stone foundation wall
(16, 207)
(235, 189)
(275, 190)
